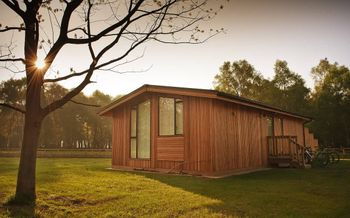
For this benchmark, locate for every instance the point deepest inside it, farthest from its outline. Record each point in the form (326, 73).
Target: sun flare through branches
(40, 63)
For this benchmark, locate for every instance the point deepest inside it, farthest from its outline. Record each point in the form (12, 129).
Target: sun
(40, 63)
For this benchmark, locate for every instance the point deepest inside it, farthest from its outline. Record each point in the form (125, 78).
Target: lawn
(85, 188)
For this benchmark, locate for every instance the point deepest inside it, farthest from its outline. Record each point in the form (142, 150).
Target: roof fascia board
(194, 93)
(122, 100)
(158, 89)
(264, 108)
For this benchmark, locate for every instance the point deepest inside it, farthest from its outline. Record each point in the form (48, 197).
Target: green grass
(85, 188)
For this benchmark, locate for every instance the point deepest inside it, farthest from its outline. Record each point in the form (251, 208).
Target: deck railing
(285, 148)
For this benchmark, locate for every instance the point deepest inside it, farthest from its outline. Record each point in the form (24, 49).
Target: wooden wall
(170, 148)
(310, 140)
(294, 127)
(195, 142)
(119, 137)
(218, 137)
(240, 136)
(197, 126)
(190, 152)
(121, 140)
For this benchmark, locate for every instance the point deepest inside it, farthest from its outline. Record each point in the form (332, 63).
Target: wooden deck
(284, 151)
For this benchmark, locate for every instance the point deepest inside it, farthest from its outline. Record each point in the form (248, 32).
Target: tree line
(328, 102)
(75, 125)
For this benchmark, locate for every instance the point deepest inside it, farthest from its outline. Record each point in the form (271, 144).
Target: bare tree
(129, 23)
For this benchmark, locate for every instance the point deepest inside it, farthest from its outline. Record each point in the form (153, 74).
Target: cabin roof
(205, 93)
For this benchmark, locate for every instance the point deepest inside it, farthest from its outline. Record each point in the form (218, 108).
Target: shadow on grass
(20, 206)
(20, 211)
(234, 193)
(279, 191)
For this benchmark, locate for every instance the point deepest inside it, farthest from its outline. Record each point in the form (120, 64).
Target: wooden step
(284, 161)
(279, 159)
(283, 165)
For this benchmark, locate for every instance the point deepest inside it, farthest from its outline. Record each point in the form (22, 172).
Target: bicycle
(333, 156)
(321, 158)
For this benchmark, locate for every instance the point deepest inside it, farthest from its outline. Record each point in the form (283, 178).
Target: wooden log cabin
(202, 132)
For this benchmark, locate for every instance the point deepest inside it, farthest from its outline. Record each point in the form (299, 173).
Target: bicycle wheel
(308, 159)
(334, 157)
(321, 159)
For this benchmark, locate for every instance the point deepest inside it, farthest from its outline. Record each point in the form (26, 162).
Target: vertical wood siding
(240, 137)
(218, 137)
(294, 127)
(310, 139)
(121, 140)
(198, 152)
(120, 151)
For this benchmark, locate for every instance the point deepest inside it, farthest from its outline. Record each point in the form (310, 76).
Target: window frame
(135, 107)
(282, 125)
(180, 100)
(175, 116)
(269, 117)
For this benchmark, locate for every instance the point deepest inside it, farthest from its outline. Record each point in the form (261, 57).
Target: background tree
(286, 90)
(11, 93)
(72, 126)
(291, 93)
(238, 78)
(71, 22)
(101, 126)
(328, 104)
(331, 104)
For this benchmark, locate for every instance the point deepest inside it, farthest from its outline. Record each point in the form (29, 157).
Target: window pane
(282, 128)
(133, 148)
(179, 116)
(144, 129)
(269, 126)
(166, 116)
(133, 123)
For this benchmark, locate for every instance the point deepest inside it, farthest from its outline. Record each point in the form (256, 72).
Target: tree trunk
(32, 124)
(33, 118)
(26, 172)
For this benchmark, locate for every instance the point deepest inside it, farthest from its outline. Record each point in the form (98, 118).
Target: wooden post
(275, 144)
(297, 150)
(290, 149)
(302, 156)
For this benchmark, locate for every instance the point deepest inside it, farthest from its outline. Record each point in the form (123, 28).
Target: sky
(300, 31)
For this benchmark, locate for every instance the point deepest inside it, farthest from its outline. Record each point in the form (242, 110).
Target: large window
(270, 130)
(140, 131)
(270, 126)
(281, 125)
(170, 116)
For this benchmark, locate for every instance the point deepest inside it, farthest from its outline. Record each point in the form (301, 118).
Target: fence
(62, 153)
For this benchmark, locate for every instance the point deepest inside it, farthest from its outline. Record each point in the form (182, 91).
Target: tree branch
(108, 29)
(15, 7)
(59, 103)
(12, 28)
(65, 77)
(85, 104)
(156, 26)
(13, 60)
(13, 107)
(62, 38)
